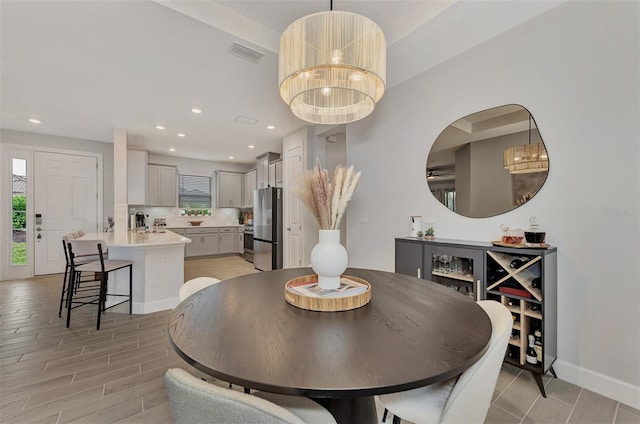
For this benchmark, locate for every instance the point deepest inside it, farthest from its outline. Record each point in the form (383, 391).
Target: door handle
(38, 229)
(288, 228)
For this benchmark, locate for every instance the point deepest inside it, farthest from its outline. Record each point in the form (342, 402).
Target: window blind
(194, 191)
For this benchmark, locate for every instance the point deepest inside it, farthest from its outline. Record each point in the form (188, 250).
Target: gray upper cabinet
(162, 185)
(262, 168)
(248, 187)
(275, 174)
(229, 189)
(279, 174)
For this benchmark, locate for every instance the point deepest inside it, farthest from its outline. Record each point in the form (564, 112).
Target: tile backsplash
(224, 216)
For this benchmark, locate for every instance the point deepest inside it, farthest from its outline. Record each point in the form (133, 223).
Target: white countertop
(135, 239)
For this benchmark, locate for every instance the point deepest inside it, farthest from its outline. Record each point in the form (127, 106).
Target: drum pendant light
(526, 158)
(332, 67)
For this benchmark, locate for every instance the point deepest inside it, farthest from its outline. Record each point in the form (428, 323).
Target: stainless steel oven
(248, 243)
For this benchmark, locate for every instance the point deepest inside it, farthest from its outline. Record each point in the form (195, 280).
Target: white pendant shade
(526, 158)
(332, 67)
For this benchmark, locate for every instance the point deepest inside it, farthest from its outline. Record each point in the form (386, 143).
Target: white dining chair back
(467, 398)
(193, 401)
(195, 285)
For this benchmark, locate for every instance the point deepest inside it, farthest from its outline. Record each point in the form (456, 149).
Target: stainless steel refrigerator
(267, 228)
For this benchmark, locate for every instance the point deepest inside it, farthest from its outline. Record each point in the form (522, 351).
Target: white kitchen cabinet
(279, 174)
(210, 245)
(272, 174)
(248, 187)
(136, 177)
(162, 185)
(262, 168)
(227, 240)
(204, 241)
(229, 189)
(240, 241)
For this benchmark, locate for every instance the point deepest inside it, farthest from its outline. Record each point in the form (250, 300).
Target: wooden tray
(524, 245)
(324, 304)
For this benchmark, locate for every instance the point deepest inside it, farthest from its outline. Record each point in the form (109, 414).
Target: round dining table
(411, 334)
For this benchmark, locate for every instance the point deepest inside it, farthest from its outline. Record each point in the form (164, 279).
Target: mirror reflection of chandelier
(332, 67)
(526, 158)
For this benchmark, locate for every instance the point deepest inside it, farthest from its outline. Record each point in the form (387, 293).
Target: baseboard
(143, 308)
(158, 305)
(615, 389)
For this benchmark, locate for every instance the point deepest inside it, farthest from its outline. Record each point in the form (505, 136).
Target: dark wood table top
(413, 333)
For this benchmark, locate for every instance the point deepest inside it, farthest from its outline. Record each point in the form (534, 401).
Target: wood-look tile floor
(51, 374)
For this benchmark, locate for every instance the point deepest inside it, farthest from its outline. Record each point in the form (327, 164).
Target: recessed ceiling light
(159, 127)
(196, 110)
(230, 157)
(35, 121)
(251, 146)
(182, 135)
(171, 149)
(270, 127)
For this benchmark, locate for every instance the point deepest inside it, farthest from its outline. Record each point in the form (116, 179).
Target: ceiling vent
(245, 120)
(246, 53)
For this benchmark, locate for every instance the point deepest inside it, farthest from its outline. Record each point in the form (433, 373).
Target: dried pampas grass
(327, 201)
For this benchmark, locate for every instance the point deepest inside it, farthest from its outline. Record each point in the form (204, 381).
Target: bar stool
(67, 281)
(102, 267)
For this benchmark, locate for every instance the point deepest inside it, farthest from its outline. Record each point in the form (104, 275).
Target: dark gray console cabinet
(457, 264)
(522, 279)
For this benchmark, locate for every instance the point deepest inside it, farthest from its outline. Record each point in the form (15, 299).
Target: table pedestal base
(356, 410)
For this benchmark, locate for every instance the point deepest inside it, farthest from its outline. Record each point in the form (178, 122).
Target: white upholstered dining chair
(464, 399)
(194, 285)
(195, 401)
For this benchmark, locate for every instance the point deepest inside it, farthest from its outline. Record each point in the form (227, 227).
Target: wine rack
(523, 275)
(528, 289)
(524, 280)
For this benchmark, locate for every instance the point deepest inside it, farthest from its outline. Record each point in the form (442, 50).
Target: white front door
(294, 246)
(66, 199)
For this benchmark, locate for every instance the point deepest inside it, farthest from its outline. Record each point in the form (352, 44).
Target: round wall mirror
(488, 163)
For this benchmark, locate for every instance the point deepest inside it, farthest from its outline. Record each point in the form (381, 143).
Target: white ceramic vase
(329, 259)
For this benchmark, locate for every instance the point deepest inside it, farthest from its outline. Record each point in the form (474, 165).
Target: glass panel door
(19, 212)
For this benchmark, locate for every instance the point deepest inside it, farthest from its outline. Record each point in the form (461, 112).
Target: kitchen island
(158, 267)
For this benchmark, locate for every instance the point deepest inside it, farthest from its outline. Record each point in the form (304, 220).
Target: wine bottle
(538, 350)
(535, 307)
(518, 261)
(535, 283)
(532, 356)
(538, 337)
(496, 274)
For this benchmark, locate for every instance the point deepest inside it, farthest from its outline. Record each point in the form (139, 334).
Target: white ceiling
(86, 67)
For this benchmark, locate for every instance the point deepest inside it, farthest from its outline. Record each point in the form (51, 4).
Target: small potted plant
(429, 234)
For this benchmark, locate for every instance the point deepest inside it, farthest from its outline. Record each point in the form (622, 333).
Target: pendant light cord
(331, 5)
(529, 124)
